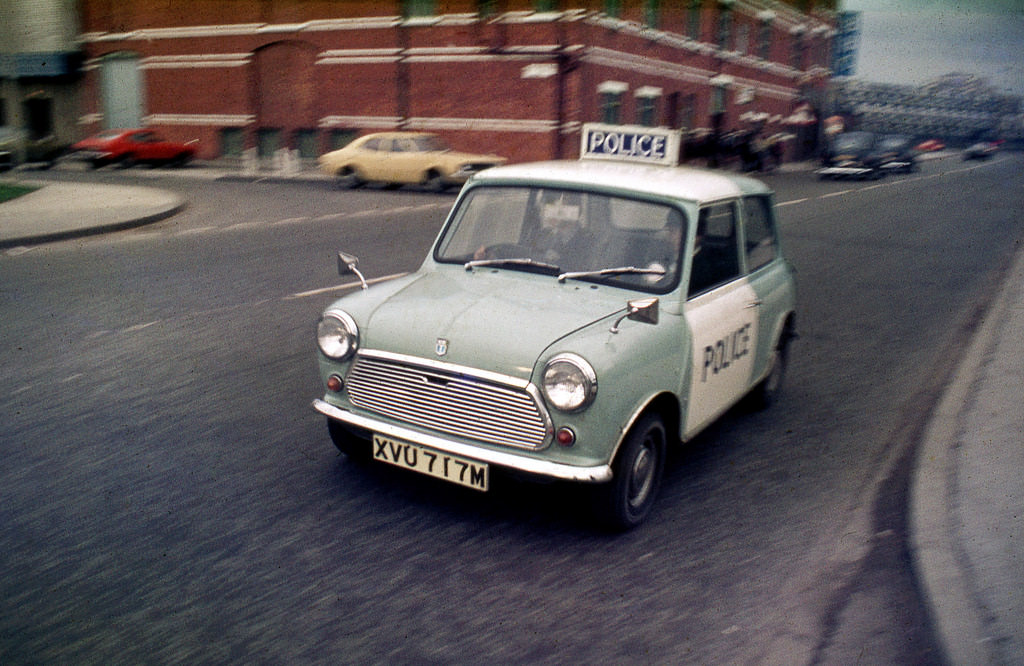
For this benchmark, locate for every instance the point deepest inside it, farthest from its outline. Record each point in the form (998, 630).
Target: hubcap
(641, 477)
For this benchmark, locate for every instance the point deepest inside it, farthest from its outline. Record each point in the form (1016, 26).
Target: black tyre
(349, 179)
(356, 448)
(624, 502)
(766, 393)
(434, 182)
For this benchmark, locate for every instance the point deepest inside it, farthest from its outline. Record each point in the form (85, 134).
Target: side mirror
(347, 265)
(643, 310)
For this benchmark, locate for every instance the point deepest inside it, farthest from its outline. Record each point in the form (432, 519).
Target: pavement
(967, 495)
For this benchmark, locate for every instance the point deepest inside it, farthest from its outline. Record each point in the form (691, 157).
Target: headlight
(337, 335)
(570, 383)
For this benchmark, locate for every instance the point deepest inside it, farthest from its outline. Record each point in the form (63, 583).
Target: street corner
(57, 211)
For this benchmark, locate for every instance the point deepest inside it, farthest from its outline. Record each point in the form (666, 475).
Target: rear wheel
(766, 393)
(347, 178)
(625, 501)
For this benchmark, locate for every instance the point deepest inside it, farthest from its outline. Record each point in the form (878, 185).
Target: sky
(916, 41)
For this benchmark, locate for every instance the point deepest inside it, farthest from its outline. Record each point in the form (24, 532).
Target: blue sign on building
(845, 44)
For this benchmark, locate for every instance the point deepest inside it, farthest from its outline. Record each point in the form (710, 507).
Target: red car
(126, 147)
(931, 145)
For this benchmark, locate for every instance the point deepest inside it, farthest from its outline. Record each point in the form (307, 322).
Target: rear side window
(758, 232)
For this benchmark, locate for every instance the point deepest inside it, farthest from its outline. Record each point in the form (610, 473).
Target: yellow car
(403, 157)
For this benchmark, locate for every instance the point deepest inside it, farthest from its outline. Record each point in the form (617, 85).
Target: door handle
(754, 304)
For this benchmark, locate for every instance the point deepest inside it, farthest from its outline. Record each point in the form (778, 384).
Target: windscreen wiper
(621, 270)
(525, 261)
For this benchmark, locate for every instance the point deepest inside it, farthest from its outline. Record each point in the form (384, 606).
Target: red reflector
(334, 383)
(565, 437)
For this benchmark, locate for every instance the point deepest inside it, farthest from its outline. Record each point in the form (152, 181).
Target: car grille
(450, 402)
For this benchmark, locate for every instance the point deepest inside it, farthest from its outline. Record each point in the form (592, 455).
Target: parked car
(981, 150)
(572, 322)
(930, 146)
(896, 154)
(18, 147)
(128, 147)
(852, 155)
(403, 157)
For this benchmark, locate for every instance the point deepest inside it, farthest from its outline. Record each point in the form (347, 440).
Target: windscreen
(568, 231)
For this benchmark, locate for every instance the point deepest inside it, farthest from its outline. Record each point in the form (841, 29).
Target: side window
(715, 254)
(758, 232)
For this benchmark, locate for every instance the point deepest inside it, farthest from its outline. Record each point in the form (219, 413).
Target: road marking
(340, 287)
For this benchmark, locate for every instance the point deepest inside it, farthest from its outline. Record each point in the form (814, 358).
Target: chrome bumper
(553, 470)
(843, 171)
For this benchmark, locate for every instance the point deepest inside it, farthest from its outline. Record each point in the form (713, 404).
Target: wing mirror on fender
(643, 310)
(347, 265)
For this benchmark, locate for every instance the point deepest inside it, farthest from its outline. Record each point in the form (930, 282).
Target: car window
(375, 144)
(429, 143)
(715, 252)
(758, 232)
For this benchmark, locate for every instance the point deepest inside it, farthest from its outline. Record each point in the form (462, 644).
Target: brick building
(507, 76)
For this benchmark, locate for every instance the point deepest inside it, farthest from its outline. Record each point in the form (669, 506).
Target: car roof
(686, 183)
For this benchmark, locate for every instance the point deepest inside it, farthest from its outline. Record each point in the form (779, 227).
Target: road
(168, 495)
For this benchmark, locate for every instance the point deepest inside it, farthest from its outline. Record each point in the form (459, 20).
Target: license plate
(446, 466)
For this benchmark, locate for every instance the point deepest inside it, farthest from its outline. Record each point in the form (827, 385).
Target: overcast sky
(915, 41)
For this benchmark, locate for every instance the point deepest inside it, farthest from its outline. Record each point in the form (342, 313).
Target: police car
(572, 321)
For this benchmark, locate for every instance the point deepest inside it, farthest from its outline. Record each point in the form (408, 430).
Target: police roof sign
(630, 143)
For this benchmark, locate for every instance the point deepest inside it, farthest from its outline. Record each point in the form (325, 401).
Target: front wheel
(356, 448)
(624, 502)
(434, 182)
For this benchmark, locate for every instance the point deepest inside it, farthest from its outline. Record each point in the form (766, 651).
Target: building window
(412, 8)
(693, 20)
(486, 8)
(652, 13)
(724, 28)
(611, 101)
(611, 107)
(743, 39)
(268, 142)
(647, 106)
(232, 141)
(306, 142)
(545, 5)
(764, 41)
(799, 48)
(613, 8)
(341, 137)
(687, 111)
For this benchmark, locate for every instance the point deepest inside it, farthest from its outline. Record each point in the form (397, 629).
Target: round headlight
(570, 383)
(337, 335)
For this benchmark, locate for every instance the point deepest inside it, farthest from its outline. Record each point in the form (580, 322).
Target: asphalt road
(168, 495)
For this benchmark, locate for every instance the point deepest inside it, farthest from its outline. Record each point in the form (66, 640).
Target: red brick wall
(373, 73)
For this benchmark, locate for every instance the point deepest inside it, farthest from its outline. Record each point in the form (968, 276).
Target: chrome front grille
(449, 400)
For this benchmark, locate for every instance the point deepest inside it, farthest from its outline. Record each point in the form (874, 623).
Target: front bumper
(845, 171)
(552, 470)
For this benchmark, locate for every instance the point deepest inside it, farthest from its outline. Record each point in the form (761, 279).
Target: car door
(721, 313)
(407, 161)
(767, 274)
(372, 159)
